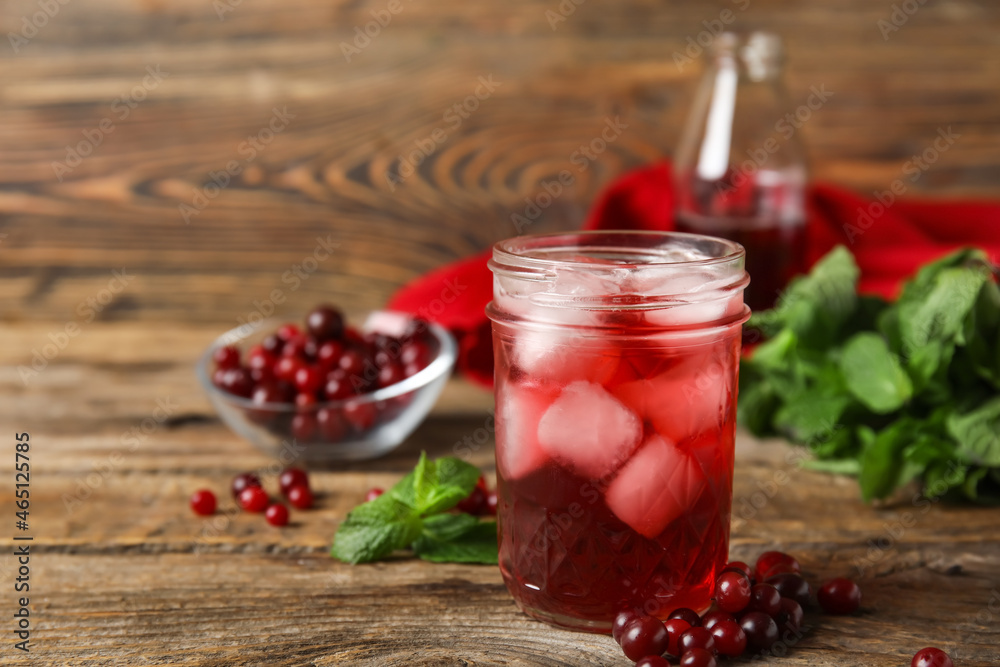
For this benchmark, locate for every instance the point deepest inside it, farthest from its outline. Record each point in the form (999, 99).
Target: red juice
(614, 427)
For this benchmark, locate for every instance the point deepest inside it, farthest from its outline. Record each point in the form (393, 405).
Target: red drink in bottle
(616, 363)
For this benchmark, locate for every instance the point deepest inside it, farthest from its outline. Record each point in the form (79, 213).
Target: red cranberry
(732, 591)
(304, 402)
(203, 502)
(253, 499)
(288, 331)
(272, 344)
(730, 640)
(415, 352)
(338, 386)
(689, 615)
(491, 503)
(325, 323)
(712, 618)
(389, 375)
(263, 375)
(290, 478)
(267, 393)
(789, 616)
(792, 586)
(765, 598)
(644, 635)
(653, 661)
(242, 481)
(304, 426)
(931, 657)
(474, 503)
(770, 559)
(328, 353)
(331, 424)
(308, 379)
(697, 638)
(300, 497)
(741, 566)
(277, 515)
(226, 357)
(360, 415)
(237, 381)
(698, 657)
(353, 361)
(760, 629)
(295, 347)
(373, 494)
(286, 367)
(839, 596)
(675, 627)
(622, 619)
(411, 369)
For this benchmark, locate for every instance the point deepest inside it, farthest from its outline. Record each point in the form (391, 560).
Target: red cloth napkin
(890, 238)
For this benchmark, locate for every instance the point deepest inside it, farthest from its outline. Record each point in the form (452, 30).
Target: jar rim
(526, 254)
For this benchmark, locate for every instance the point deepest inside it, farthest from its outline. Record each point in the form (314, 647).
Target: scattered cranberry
(771, 563)
(203, 502)
(760, 629)
(474, 503)
(644, 636)
(653, 661)
(325, 323)
(491, 503)
(792, 586)
(622, 619)
(712, 618)
(730, 640)
(765, 598)
(741, 566)
(697, 637)
(292, 477)
(698, 657)
(931, 657)
(789, 616)
(226, 357)
(373, 494)
(839, 596)
(242, 481)
(253, 499)
(689, 615)
(277, 515)
(675, 627)
(300, 497)
(732, 591)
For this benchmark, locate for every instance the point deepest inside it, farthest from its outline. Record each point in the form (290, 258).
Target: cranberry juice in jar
(617, 356)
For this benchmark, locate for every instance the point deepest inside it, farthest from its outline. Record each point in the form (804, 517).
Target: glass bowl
(357, 428)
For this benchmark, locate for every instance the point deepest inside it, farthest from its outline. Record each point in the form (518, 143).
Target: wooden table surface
(118, 119)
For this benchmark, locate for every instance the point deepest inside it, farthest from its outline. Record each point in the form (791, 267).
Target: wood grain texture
(122, 573)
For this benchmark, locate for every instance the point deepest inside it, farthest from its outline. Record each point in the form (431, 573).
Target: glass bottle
(740, 169)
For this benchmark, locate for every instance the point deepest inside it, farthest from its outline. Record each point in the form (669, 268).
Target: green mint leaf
(978, 434)
(812, 416)
(374, 530)
(436, 486)
(880, 470)
(873, 374)
(834, 466)
(458, 538)
(939, 310)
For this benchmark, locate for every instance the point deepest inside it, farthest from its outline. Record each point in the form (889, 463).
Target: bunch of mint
(890, 392)
(414, 515)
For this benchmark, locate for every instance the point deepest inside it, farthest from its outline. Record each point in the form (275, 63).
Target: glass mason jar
(740, 168)
(617, 356)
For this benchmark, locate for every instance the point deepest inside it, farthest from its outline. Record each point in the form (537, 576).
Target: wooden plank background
(127, 575)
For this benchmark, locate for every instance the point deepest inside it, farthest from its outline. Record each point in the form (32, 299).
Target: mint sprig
(889, 392)
(411, 515)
